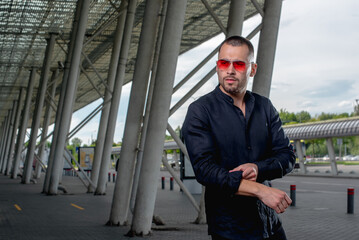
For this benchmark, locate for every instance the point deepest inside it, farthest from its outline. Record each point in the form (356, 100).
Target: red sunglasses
(238, 65)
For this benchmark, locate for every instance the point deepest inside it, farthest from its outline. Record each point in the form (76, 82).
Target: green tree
(178, 131)
(326, 116)
(287, 117)
(93, 144)
(316, 147)
(356, 108)
(168, 138)
(73, 151)
(119, 144)
(303, 116)
(76, 142)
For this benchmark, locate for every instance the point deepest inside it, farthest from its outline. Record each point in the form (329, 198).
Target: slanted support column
(298, 147)
(100, 141)
(14, 131)
(267, 46)
(121, 198)
(46, 122)
(331, 153)
(158, 118)
(67, 66)
(3, 133)
(7, 139)
(71, 86)
(3, 142)
(38, 110)
(115, 101)
(24, 121)
(237, 12)
(142, 141)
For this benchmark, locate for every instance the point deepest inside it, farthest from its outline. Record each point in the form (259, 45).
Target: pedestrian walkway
(25, 213)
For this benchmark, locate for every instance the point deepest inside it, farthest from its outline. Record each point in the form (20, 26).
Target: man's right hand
(250, 171)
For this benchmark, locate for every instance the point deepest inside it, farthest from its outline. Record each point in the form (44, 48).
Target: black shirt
(219, 138)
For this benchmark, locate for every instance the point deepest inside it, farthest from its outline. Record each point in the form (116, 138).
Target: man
(236, 145)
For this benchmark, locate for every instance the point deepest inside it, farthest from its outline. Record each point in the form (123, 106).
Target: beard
(233, 88)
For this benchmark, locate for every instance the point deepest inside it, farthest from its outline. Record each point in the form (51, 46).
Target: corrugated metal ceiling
(25, 25)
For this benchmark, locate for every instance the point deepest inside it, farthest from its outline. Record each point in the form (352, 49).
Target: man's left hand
(250, 171)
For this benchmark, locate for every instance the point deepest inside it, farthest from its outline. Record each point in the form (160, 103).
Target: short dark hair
(238, 41)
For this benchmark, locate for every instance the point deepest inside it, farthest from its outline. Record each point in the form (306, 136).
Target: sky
(316, 66)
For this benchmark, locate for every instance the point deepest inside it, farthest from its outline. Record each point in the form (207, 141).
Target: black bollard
(163, 182)
(292, 194)
(350, 203)
(171, 183)
(109, 177)
(114, 177)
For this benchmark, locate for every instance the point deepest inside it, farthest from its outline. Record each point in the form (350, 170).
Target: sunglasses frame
(234, 66)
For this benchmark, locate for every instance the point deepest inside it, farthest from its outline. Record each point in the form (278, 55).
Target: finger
(255, 171)
(284, 204)
(281, 207)
(235, 169)
(246, 173)
(287, 199)
(252, 177)
(277, 209)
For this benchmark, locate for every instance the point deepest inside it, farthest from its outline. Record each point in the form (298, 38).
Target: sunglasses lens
(223, 64)
(239, 65)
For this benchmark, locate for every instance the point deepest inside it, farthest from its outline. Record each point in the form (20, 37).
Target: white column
(40, 99)
(14, 131)
(60, 104)
(331, 153)
(3, 161)
(46, 122)
(158, 118)
(267, 46)
(237, 12)
(102, 128)
(24, 121)
(115, 101)
(298, 147)
(71, 87)
(121, 197)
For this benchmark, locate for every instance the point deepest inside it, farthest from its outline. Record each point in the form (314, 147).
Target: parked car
(347, 157)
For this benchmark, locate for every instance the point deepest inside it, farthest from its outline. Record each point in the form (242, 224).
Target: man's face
(232, 81)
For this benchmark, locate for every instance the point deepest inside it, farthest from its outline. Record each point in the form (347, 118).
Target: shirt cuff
(235, 179)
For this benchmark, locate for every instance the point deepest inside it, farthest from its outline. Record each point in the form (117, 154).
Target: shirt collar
(248, 97)
(221, 94)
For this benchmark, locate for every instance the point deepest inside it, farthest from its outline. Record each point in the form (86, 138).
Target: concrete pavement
(25, 213)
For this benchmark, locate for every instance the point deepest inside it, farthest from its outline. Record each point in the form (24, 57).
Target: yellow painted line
(76, 206)
(17, 207)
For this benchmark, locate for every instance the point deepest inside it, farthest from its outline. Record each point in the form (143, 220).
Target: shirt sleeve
(281, 159)
(201, 148)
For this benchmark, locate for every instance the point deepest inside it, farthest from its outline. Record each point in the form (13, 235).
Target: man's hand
(272, 197)
(250, 171)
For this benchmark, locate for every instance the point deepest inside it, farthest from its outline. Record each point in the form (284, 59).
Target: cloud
(307, 104)
(315, 67)
(330, 89)
(345, 104)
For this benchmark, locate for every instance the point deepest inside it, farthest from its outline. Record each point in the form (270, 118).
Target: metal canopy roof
(323, 129)
(25, 25)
